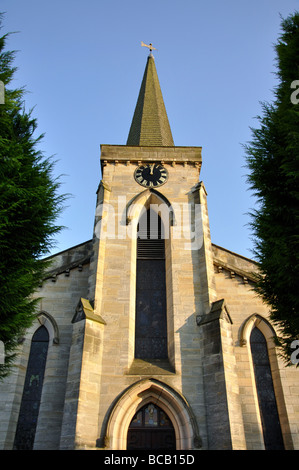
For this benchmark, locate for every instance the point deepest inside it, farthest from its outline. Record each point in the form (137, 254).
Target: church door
(151, 428)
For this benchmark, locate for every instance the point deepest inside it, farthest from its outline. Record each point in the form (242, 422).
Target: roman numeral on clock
(151, 175)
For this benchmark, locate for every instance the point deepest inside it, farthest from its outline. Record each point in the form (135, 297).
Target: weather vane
(150, 46)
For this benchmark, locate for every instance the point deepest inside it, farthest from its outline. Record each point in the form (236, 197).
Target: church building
(149, 336)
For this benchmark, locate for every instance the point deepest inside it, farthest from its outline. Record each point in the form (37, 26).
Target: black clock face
(151, 175)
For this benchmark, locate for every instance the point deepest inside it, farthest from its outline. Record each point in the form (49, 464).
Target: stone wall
(93, 384)
(233, 275)
(59, 296)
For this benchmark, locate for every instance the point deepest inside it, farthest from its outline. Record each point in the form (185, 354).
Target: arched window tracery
(151, 322)
(265, 391)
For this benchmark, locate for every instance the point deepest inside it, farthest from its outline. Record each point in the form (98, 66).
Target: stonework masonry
(88, 305)
(94, 383)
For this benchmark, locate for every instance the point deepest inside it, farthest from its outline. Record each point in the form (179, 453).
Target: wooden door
(151, 428)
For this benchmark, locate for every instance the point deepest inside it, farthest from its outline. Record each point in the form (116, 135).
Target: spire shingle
(150, 125)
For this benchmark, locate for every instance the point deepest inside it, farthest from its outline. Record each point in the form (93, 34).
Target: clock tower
(152, 274)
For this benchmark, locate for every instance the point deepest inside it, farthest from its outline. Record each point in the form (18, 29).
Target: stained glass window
(151, 326)
(265, 391)
(137, 420)
(27, 422)
(150, 428)
(151, 415)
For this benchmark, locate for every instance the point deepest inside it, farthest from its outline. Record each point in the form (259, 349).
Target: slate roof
(150, 125)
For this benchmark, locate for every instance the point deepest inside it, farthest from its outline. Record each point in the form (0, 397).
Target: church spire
(150, 126)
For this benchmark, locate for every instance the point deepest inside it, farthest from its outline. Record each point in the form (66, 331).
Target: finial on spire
(150, 46)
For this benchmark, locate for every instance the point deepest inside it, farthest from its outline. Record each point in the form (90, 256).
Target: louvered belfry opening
(151, 324)
(150, 236)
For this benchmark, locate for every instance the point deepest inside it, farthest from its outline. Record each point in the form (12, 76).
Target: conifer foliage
(29, 206)
(273, 160)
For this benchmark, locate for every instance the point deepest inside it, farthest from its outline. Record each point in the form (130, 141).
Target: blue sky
(82, 65)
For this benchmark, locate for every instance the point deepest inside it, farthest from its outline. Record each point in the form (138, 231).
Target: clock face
(151, 175)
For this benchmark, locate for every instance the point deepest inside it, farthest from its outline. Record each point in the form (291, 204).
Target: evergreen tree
(29, 206)
(273, 160)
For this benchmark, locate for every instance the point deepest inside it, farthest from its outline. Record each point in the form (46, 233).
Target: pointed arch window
(151, 324)
(265, 391)
(27, 422)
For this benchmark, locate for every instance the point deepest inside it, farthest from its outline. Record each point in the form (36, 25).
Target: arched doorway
(151, 428)
(137, 396)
